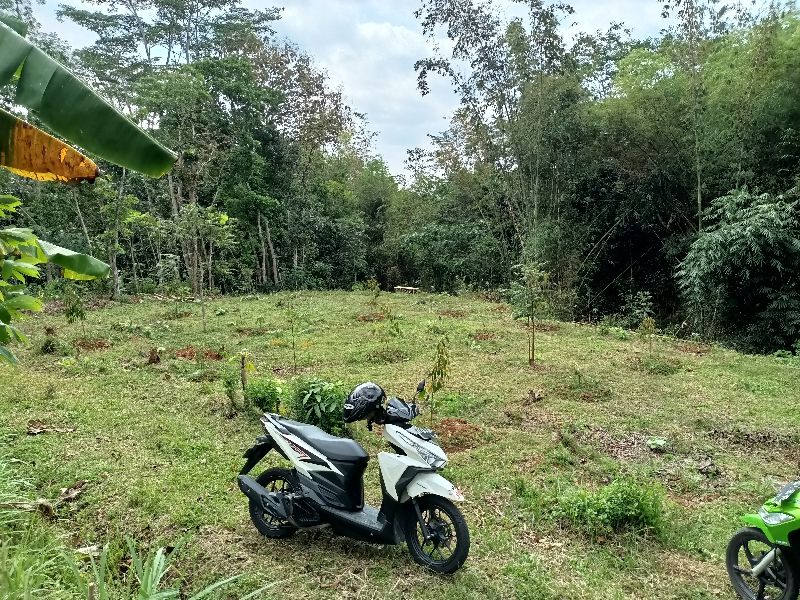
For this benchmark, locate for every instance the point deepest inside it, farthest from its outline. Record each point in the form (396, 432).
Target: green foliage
(624, 504)
(30, 554)
(231, 383)
(637, 307)
(528, 301)
(585, 388)
(439, 373)
(736, 276)
(150, 573)
(20, 254)
(374, 288)
(319, 403)
(647, 330)
(264, 394)
(656, 365)
(45, 86)
(73, 307)
(657, 444)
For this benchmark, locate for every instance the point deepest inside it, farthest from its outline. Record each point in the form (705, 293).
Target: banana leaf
(74, 264)
(30, 152)
(19, 26)
(73, 110)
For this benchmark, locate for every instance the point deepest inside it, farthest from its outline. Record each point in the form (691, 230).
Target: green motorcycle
(762, 559)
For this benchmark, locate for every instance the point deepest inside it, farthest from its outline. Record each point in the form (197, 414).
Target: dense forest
(614, 177)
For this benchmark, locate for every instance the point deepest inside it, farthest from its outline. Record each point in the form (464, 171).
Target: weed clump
(660, 366)
(319, 403)
(585, 388)
(264, 394)
(622, 505)
(52, 345)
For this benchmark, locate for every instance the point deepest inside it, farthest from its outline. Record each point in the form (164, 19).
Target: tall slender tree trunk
(83, 223)
(198, 278)
(133, 265)
(116, 284)
(275, 274)
(263, 265)
(176, 200)
(208, 267)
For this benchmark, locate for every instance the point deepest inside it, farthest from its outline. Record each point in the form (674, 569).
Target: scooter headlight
(429, 457)
(774, 518)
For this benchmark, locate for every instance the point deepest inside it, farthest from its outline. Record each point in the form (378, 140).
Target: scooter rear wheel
(745, 550)
(268, 525)
(447, 547)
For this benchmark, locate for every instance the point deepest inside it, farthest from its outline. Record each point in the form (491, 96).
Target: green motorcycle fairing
(779, 516)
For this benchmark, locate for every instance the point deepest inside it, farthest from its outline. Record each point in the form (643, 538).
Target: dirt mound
(456, 314)
(541, 326)
(756, 439)
(371, 317)
(190, 353)
(484, 336)
(457, 435)
(90, 344)
(695, 348)
(630, 446)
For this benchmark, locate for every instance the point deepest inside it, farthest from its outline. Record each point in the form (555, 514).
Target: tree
(46, 87)
(742, 271)
(528, 299)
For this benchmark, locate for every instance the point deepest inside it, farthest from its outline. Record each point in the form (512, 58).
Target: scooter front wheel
(281, 481)
(446, 546)
(747, 548)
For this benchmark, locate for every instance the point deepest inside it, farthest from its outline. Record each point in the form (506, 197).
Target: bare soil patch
(749, 439)
(371, 317)
(388, 355)
(695, 348)
(484, 336)
(628, 447)
(36, 427)
(191, 353)
(456, 314)
(289, 370)
(250, 331)
(92, 344)
(541, 326)
(457, 435)
(178, 315)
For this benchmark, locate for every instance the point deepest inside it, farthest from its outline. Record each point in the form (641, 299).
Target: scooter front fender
(431, 483)
(756, 521)
(776, 534)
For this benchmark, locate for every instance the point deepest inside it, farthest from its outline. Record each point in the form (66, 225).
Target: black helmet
(363, 401)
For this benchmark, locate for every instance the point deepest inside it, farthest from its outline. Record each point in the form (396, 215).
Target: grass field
(159, 450)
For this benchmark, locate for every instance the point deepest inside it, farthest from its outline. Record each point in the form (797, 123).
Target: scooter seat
(335, 448)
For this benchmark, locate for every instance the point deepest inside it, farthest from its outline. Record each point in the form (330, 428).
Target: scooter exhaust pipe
(259, 494)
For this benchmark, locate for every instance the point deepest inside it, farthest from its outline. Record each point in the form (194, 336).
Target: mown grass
(160, 451)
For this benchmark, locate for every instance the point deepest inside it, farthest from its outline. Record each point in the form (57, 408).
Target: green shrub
(52, 345)
(264, 394)
(660, 366)
(622, 505)
(319, 403)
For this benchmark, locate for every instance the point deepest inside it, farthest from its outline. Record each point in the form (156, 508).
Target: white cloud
(369, 48)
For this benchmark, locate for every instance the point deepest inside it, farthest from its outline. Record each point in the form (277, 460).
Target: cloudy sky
(369, 48)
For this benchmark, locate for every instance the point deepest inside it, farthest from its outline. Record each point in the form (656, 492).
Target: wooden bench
(403, 289)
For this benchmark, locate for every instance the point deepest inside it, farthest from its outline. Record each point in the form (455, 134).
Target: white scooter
(326, 486)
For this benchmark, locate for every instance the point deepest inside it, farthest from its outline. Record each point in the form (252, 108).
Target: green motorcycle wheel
(746, 549)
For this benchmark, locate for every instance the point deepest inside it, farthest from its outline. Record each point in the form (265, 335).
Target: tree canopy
(600, 159)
